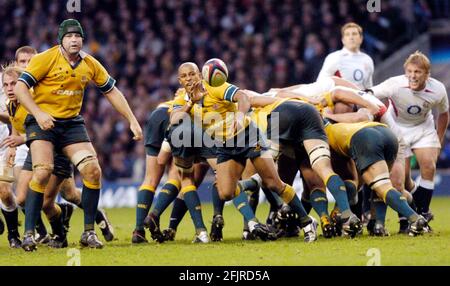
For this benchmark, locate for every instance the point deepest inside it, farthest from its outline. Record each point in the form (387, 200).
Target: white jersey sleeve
(329, 67)
(368, 80)
(442, 106)
(386, 89)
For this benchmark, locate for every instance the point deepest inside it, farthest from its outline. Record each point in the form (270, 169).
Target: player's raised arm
(118, 101)
(348, 95)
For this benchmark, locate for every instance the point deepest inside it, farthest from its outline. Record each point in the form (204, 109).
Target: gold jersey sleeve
(340, 134)
(59, 86)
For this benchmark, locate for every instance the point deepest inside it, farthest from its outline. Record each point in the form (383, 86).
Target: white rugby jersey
(4, 131)
(411, 107)
(387, 117)
(355, 67)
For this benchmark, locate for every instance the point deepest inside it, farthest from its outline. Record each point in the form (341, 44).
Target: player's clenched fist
(45, 120)
(136, 129)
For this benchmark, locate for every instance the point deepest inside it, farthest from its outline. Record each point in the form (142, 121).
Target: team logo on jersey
(61, 77)
(414, 109)
(67, 92)
(358, 75)
(84, 79)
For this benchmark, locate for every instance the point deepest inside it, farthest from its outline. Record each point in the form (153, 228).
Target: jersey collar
(350, 52)
(82, 55)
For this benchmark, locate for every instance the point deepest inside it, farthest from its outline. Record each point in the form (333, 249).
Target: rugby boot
(89, 239)
(417, 227)
(217, 225)
(58, 241)
(264, 232)
(152, 223)
(105, 225)
(14, 239)
(138, 237)
(404, 225)
(327, 227)
(379, 230)
(310, 231)
(351, 226)
(28, 243)
(169, 234)
(201, 237)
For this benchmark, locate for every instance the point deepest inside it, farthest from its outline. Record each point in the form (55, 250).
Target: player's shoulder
(366, 56)
(88, 58)
(45, 56)
(436, 86)
(398, 81)
(336, 55)
(221, 90)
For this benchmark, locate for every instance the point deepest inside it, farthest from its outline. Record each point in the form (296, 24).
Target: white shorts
(21, 155)
(420, 136)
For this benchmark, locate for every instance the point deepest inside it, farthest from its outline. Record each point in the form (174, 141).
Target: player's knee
(273, 185)
(92, 172)
(86, 162)
(380, 181)
(42, 173)
(226, 196)
(319, 154)
(428, 167)
(397, 183)
(20, 200)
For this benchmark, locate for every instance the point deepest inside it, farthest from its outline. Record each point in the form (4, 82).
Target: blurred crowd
(141, 43)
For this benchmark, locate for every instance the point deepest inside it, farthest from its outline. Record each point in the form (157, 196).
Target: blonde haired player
(349, 62)
(412, 98)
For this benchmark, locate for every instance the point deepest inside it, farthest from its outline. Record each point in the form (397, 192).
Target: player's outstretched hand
(45, 120)
(10, 156)
(12, 141)
(136, 129)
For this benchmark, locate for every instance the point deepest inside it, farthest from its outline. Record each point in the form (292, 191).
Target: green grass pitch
(429, 249)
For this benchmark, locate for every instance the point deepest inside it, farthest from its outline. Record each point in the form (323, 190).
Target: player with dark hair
(59, 76)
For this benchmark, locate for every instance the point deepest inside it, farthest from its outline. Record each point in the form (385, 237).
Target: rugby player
(412, 98)
(54, 122)
(350, 63)
(373, 148)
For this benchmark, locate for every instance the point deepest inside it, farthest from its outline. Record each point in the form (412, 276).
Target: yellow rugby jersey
(166, 104)
(259, 115)
(59, 86)
(180, 100)
(340, 134)
(17, 114)
(326, 101)
(217, 109)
